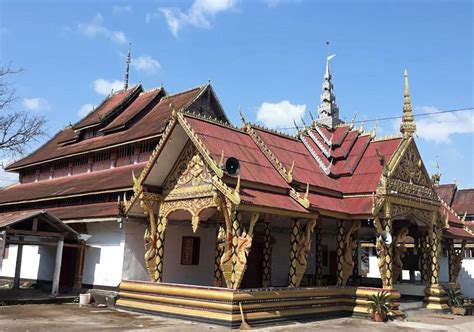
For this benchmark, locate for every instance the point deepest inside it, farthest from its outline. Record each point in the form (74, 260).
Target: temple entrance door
(253, 274)
(68, 267)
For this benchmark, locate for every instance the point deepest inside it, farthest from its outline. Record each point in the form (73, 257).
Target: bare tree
(18, 128)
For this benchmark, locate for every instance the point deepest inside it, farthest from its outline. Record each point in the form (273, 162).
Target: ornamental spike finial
(328, 111)
(244, 123)
(408, 126)
(306, 194)
(127, 67)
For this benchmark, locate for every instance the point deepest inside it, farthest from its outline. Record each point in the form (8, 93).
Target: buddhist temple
(193, 217)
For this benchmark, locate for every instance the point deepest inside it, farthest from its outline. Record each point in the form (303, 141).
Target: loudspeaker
(386, 238)
(232, 166)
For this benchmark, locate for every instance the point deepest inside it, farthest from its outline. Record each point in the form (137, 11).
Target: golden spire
(408, 126)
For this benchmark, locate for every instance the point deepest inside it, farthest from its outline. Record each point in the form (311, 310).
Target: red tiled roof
(271, 200)
(138, 105)
(98, 210)
(464, 201)
(151, 124)
(254, 166)
(117, 178)
(446, 192)
(458, 233)
(109, 105)
(11, 218)
(453, 219)
(287, 150)
(367, 174)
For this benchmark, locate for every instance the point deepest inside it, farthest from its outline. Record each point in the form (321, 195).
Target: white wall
(103, 259)
(466, 277)
(443, 269)
(134, 252)
(37, 262)
(173, 271)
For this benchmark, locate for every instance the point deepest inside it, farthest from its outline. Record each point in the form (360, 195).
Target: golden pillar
(355, 256)
(319, 257)
(267, 255)
(236, 225)
(160, 249)
(220, 238)
(425, 267)
(435, 294)
(340, 251)
(294, 231)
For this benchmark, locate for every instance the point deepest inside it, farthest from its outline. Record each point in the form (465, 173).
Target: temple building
(222, 223)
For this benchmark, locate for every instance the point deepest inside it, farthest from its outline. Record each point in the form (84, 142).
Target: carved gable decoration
(409, 176)
(190, 177)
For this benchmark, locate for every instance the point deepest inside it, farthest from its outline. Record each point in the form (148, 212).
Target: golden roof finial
(436, 177)
(408, 127)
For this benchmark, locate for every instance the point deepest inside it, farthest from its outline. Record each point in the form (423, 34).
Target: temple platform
(260, 306)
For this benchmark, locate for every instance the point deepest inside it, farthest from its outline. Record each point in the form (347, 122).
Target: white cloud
(35, 104)
(122, 9)
(84, 110)
(198, 15)
(96, 28)
(104, 87)
(438, 128)
(146, 63)
(280, 115)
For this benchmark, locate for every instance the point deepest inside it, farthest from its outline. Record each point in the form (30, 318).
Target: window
(149, 145)
(125, 151)
(190, 247)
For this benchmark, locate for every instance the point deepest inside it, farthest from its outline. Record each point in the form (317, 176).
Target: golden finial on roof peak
(408, 126)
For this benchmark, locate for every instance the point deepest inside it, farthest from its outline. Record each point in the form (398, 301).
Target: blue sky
(259, 55)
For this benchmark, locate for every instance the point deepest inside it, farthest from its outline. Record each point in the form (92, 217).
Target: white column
(19, 255)
(57, 267)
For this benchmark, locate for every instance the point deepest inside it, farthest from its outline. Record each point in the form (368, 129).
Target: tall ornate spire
(127, 68)
(408, 126)
(328, 111)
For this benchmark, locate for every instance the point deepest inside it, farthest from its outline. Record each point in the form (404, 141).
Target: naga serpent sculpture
(349, 246)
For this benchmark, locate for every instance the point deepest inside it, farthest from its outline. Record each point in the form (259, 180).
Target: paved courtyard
(71, 317)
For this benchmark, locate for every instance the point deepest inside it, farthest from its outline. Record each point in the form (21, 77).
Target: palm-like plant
(455, 297)
(380, 304)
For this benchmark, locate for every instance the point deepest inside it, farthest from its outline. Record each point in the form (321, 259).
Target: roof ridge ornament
(436, 177)
(408, 126)
(328, 111)
(127, 67)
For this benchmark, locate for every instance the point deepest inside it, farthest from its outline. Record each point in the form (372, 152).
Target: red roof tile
(151, 124)
(367, 174)
(446, 192)
(118, 178)
(138, 105)
(108, 106)
(254, 166)
(271, 200)
(287, 150)
(458, 233)
(464, 201)
(98, 210)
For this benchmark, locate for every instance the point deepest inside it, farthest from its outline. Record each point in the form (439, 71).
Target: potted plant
(379, 306)
(456, 302)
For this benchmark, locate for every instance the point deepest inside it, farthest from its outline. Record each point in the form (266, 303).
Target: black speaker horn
(232, 166)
